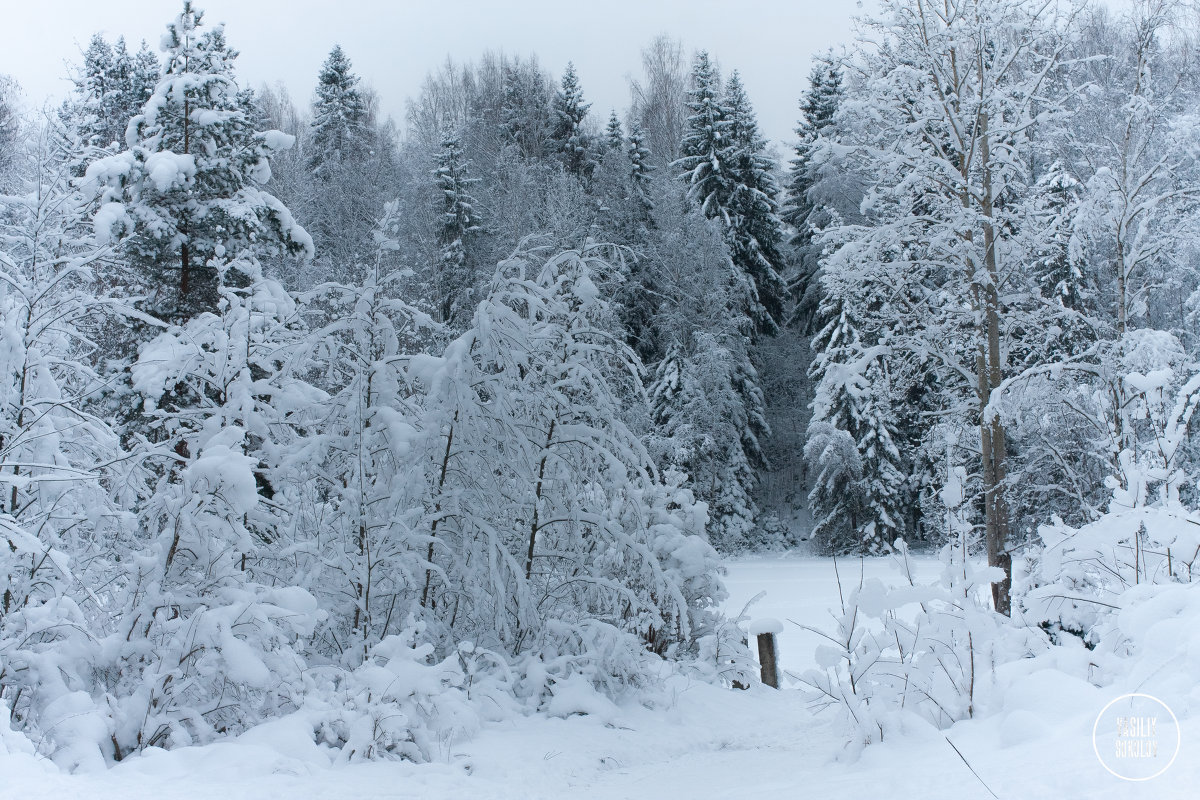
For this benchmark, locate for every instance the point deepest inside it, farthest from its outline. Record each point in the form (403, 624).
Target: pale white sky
(394, 43)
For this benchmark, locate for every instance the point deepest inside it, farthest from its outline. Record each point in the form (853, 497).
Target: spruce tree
(817, 110)
(700, 164)
(640, 168)
(95, 89)
(729, 178)
(143, 76)
(188, 193)
(525, 114)
(455, 279)
(709, 423)
(339, 131)
(1057, 270)
(614, 137)
(856, 500)
(112, 87)
(754, 232)
(10, 132)
(347, 175)
(883, 470)
(571, 140)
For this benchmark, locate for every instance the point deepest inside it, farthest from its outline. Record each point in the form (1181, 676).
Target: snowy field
(702, 742)
(803, 589)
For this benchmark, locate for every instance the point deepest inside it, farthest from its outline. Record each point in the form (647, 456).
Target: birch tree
(950, 96)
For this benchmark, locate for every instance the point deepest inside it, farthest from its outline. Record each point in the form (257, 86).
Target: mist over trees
(287, 386)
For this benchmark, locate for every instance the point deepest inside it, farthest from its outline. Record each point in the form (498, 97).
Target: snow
(804, 589)
(278, 141)
(108, 216)
(764, 625)
(696, 740)
(575, 695)
(169, 170)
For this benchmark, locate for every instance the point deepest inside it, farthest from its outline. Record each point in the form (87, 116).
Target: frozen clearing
(704, 743)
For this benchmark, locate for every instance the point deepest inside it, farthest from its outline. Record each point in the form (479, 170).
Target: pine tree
(1058, 270)
(708, 407)
(455, 277)
(95, 89)
(856, 501)
(836, 502)
(348, 173)
(143, 77)
(571, 140)
(817, 110)
(339, 131)
(189, 189)
(835, 477)
(883, 469)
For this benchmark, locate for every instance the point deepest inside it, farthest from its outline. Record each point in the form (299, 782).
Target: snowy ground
(802, 589)
(705, 743)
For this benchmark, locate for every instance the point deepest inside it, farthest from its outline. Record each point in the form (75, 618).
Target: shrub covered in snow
(928, 651)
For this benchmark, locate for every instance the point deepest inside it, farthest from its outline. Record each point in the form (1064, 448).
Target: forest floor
(701, 742)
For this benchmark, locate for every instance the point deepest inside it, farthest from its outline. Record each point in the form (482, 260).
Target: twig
(973, 772)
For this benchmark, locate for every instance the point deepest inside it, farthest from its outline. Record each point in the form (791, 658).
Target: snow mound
(764, 625)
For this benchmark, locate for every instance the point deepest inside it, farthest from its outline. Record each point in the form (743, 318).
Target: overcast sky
(394, 43)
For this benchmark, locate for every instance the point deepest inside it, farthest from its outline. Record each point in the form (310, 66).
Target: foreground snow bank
(691, 739)
(706, 742)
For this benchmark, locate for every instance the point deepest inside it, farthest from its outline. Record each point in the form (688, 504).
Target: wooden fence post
(767, 656)
(768, 649)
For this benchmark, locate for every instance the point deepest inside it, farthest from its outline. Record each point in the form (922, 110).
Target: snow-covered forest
(388, 432)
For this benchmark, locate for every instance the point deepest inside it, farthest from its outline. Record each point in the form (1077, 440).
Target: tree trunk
(993, 445)
(183, 249)
(436, 510)
(537, 497)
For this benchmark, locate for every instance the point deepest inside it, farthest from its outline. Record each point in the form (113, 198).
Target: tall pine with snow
(709, 424)
(348, 172)
(707, 403)
(188, 193)
(526, 116)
